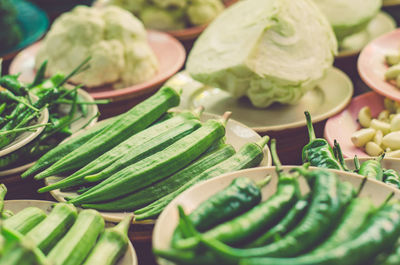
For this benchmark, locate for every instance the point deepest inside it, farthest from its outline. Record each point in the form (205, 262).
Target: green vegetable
(318, 151)
(74, 247)
(133, 121)
(391, 177)
(285, 48)
(249, 155)
(265, 214)
(111, 245)
(378, 234)
(49, 231)
(65, 148)
(166, 186)
(325, 206)
(293, 217)
(25, 220)
(157, 166)
(135, 148)
(3, 192)
(372, 169)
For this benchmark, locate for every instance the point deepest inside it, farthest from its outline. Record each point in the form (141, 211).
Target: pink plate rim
(131, 91)
(332, 129)
(371, 66)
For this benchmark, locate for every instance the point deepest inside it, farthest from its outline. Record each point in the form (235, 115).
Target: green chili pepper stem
(198, 111)
(91, 119)
(264, 182)
(339, 155)
(275, 158)
(388, 198)
(188, 223)
(363, 181)
(24, 129)
(2, 107)
(70, 91)
(356, 163)
(40, 74)
(123, 226)
(80, 68)
(225, 117)
(10, 96)
(310, 127)
(381, 157)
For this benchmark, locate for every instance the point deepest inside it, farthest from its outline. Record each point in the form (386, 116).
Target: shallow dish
(330, 96)
(17, 205)
(237, 134)
(352, 45)
(170, 54)
(344, 124)
(75, 127)
(26, 137)
(192, 197)
(372, 67)
(33, 23)
(387, 163)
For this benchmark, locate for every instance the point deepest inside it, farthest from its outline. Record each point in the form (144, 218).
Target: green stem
(68, 101)
(263, 141)
(24, 129)
(310, 127)
(81, 67)
(356, 163)
(264, 182)
(364, 180)
(275, 158)
(123, 226)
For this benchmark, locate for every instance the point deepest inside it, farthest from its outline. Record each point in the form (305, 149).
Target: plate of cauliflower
(125, 59)
(183, 19)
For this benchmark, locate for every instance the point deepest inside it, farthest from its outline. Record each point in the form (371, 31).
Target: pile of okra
(331, 224)
(18, 113)
(142, 159)
(63, 237)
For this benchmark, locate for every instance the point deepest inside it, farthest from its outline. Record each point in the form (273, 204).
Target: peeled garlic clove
(373, 149)
(364, 116)
(392, 58)
(392, 72)
(363, 136)
(393, 154)
(392, 140)
(395, 123)
(378, 137)
(380, 125)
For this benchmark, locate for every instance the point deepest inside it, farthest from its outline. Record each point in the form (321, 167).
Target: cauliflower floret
(134, 6)
(162, 19)
(170, 3)
(113, 38)
(204, 11)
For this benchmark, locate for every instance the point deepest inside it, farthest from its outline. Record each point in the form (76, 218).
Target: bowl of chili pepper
(205, 214)
(16, 132)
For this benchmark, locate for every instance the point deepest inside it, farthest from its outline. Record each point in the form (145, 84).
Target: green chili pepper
(40, 75)
(356, 164)
(339, 155)
(262, 216)
(372, 169)
(379, 233)
(325, 206)
(8, 96)
(318, 152)
(294, 216)
(3, 192)
(11, 83)
(391, 177)
(2, 107)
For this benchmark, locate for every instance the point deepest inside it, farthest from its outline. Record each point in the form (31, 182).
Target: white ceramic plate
(26, 137)
(192, 197)
(237, 135)
(75, 127)
(17, 205)
(352, 45)
(330, 96)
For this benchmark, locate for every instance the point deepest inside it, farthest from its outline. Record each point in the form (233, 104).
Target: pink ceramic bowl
(344, 124)
(372, 67)
(169, 51)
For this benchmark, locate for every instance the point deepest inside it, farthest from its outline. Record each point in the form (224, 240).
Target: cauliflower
(134, 6)
(113, 38)
(162, 19)
(204, 11)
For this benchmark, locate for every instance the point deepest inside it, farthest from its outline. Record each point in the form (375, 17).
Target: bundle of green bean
(17, 112)
(63, 237)
(144, 158)
(329, 225)
(319, 153)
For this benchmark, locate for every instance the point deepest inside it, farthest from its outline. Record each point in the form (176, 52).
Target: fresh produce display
(282, 54)
(336, 227)
(171, 14)
(64, 236)
(114, 39)
(10, 33)
(393, 72)
(349, 17)
(380, 134)
(116, 169)
(320, 154)
(18, 111)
